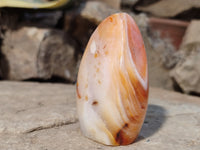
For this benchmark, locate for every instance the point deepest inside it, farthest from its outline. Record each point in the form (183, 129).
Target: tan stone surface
(31, 106)
(187, 71)
(41, 53)
(96, 11)
(192, 35)
(170, 8)
(172, 121)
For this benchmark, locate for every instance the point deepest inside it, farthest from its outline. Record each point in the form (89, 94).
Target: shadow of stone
(155, 118)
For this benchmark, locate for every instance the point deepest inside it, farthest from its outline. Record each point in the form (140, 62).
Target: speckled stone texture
(41, 116)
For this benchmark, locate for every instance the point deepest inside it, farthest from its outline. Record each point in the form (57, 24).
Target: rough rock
(19, 53)
(112, 3)
(58, 56)
(164, 127)
(170, 8)
(96, 11)
(192, 35)
(31, 52)
(187, 71)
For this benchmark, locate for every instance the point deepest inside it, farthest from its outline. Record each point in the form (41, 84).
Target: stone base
(43, 117)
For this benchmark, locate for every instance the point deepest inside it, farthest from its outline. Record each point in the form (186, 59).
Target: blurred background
(43, 40)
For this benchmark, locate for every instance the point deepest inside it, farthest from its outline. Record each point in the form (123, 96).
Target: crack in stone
(52, 126)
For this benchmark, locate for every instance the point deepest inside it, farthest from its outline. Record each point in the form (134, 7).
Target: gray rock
(96, 11)
(192, 35)
(164, 127)
(58, 56)
(19, 53)
(31, 52)
(187, 72)
(169, 8)
(112, 3)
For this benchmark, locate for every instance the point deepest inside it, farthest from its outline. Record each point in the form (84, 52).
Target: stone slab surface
(25, 107)
(35, 116)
